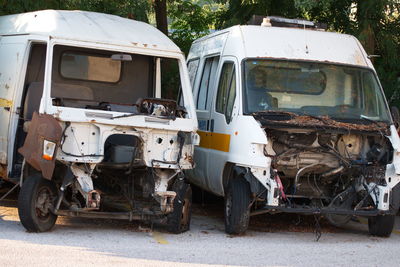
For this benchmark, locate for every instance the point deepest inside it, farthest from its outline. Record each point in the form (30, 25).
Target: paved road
(272, 241)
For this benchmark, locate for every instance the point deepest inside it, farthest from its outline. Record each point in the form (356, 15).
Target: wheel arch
(231, 170)
(227, 174)
(27, 170)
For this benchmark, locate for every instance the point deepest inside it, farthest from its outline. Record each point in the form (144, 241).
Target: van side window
(205, 90)
(193, 66)
(226, 91)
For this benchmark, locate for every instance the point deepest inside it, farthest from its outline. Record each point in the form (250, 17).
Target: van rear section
(294, 119)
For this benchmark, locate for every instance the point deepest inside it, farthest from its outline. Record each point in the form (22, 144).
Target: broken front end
(324, 167)
(109, 145)
(109, 171)
(331, 150)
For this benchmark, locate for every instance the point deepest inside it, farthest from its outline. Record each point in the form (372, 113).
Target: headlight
(195, 139)
(48, 150)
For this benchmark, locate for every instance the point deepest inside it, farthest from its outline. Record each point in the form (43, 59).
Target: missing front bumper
(320, 211)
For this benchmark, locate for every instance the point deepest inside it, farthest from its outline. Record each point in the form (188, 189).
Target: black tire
(381, 225)
(237, 206)
(179, 220)
(36, 197)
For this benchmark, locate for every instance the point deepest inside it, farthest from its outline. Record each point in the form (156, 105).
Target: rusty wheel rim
(43, 203)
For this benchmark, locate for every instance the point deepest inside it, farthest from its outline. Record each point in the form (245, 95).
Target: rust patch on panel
(42, 127)
(189, 158)
(283, 119)
(3, 171)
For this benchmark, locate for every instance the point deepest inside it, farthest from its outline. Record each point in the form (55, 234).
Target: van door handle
(212, 125)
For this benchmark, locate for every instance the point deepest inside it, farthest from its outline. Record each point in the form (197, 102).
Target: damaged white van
(293, 119)
(88, 124)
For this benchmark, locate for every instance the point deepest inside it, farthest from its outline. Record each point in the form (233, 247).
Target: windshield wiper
(366, 118)
(125, 116)
(148, 115)
(280, 115)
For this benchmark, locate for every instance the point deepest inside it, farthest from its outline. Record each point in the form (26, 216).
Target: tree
(190, 21)
(126, 8)
(375, 23)
(240, 11)
(160, 8)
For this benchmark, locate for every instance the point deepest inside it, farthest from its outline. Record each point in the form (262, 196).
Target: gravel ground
(271, 241)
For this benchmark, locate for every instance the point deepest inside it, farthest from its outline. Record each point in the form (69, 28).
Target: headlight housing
(48, 150)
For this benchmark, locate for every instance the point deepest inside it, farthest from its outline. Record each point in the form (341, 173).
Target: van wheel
(179, 220)
(35, 201)
(381, 225)
(237, 206)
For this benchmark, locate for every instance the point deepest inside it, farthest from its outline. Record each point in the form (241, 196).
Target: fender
(42, 127)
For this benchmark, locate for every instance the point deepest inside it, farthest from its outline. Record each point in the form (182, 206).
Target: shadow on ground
(136, 240)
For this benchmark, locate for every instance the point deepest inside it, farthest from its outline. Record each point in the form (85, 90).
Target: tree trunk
(160, 8)
(369, 13)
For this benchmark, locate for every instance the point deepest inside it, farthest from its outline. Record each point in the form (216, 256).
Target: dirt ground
(272, 240)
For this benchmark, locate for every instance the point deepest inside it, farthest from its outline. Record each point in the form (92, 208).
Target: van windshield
(310, 88)
(109, 80)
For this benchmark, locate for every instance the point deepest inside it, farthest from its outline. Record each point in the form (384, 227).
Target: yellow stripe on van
(217, 141)
(4, 103)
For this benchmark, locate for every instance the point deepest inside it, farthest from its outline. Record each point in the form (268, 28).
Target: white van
(293, 119)
(88, 127)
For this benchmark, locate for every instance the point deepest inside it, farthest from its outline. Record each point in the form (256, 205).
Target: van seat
(71, 91)
(260, 100)
(59, 90)
(32, 99)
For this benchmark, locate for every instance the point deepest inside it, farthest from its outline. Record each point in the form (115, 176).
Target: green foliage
(240, 11)
(376, 23)
(338, 14)
(126, 8)
(20, 6)
(189, 21)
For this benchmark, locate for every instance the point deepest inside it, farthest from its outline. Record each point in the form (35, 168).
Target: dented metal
(306, 125)
(42, 127)
(110, 141)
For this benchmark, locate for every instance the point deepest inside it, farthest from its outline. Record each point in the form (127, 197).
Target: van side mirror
(396, 115)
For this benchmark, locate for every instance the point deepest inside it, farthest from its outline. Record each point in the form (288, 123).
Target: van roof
(86, 26)
(285, 43)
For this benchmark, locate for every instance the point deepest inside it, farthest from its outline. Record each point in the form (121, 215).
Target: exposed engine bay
(126, 180)
(328, 168)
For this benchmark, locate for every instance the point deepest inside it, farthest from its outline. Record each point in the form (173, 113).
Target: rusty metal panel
(289, 119)
(42, 127)
(3, 171)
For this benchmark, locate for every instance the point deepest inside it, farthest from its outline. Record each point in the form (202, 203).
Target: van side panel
(12, 57)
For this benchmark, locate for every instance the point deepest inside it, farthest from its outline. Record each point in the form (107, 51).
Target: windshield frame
(371, 70)
(78, 114)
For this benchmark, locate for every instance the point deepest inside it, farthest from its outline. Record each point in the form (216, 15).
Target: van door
(12, 50)
(223, 113)
(203, 99)
(28, 100)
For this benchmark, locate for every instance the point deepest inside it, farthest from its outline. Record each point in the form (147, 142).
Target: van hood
(283, 119)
